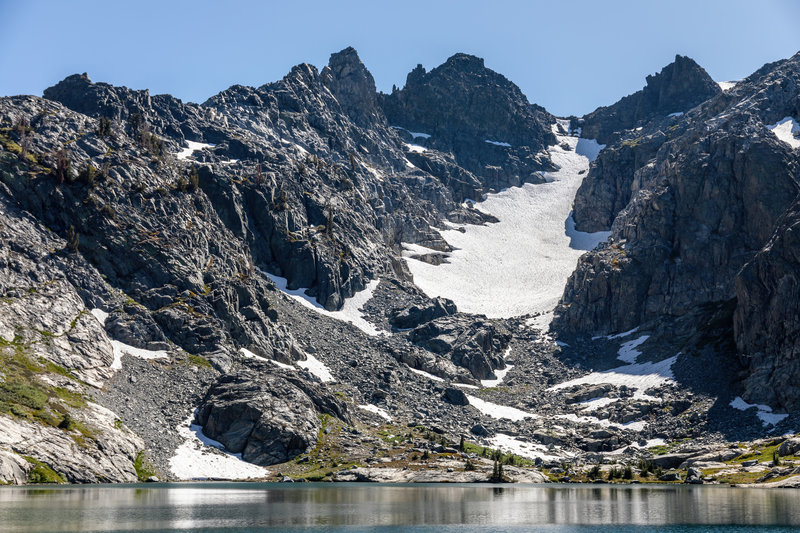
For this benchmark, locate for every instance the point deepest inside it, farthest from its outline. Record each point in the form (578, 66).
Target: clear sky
(569, 56)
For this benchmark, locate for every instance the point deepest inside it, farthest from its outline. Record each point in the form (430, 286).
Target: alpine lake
(362, 507)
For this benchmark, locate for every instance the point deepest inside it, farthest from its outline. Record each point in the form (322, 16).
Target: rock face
(635, 128)
(679, 86)
(766, 319)
(269, 420)
(462, 105)
(702, 207)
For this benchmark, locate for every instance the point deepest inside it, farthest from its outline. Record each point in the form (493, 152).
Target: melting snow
(498, 143)
(185, 153)
(519, 265)
(377, 410)
(788, 131)
(510, 444)
(628, 352)
(350, 311)
(193, 461)
(498, 411)
(317, 368)
(678, 114)
(768, 418)
(639, 376)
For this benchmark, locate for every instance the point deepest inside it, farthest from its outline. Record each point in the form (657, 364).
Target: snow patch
(678, 114)
(623, 334)
(638, 376)
(638, 425)
(596, 403)
(415, 148)
(414, 134)
(725, 85)
(193, 146)
(426, 374)
(317, 368)
(498, 411)
(377, 410)
(509, 444)
(788, 131)
(350, 311)
(193, 461)
(628, 352)
(520, 264)
(501, 374)
(100, 315)
(250, 355)
(498, 143)
(120, 349)
(768, 418)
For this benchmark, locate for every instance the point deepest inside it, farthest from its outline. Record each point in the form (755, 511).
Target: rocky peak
(353, 86)
(478, 115)
(679, 86)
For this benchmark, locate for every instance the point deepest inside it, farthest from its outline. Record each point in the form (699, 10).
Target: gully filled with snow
(520, 264)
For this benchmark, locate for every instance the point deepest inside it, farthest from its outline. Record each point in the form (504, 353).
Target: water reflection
(256, 505)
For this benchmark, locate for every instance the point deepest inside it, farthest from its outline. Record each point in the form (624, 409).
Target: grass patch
(41, 473)
(763, 455)
(197, 360)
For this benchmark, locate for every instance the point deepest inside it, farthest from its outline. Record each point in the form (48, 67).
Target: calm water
(363, 507)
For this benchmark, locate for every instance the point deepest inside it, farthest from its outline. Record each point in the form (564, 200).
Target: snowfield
(520, 264)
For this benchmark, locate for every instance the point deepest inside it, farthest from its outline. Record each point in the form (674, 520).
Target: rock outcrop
(703, 206)
(679, 86)
(477, 114)
(267, 420)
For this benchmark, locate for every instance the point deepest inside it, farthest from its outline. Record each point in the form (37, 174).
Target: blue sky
(567, 56)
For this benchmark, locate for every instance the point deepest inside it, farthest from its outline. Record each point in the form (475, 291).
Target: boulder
(268, 418)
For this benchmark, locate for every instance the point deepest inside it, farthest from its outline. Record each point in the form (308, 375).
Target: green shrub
(144, 469)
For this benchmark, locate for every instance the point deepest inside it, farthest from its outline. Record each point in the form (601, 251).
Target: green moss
(197, 360)
(144, 469)
(41, 473)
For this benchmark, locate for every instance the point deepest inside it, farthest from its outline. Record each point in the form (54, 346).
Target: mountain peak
(352, 85)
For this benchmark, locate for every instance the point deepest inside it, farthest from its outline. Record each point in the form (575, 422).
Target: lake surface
(416, 508)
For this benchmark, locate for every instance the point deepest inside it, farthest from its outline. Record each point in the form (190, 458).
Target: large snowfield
(519, 265)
